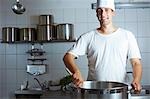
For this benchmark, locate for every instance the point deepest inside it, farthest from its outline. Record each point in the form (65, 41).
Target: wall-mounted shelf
(36, 59)
(32, 42)
(36, 52)
(127, 5)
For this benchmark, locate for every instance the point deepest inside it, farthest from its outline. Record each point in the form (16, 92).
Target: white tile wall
(11, 62)
(130, 15)
(2, 61)
(58, 15)
(13, 57)
(81, 15)
(145, 60)
(90, 15)
(78, 30)
(119, 15)
(69, 15)
(132, 26)
(21, 61)
(143, 44)
(11, 49)
(143, 29)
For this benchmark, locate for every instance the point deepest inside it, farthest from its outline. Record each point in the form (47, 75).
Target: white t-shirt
(107, 54)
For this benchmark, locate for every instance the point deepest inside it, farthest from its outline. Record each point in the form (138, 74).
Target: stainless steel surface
(27, 34)
(65, 95)
(30, 91)
(45, 32)
(144, 94)
(18, 8)
(127, 5)
(103, 90)
(10, 34)
(65, 31)
(102, 85)
(46, 19)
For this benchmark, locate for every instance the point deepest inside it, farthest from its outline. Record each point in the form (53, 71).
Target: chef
(108, 48)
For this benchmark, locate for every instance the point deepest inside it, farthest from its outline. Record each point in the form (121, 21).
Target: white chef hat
(106, 4)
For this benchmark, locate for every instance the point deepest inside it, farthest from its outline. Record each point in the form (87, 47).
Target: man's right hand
(73, 68)
(77, 79)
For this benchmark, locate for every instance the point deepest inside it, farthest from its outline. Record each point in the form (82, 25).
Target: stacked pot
(27, 34)
(10, 34)
(45, 28)
(65, 31)
(13, 34)
(46, 31)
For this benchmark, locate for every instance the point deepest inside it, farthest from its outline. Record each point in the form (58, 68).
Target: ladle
(18, 8)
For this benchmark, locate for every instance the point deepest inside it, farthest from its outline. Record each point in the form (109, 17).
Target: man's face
(104, 15)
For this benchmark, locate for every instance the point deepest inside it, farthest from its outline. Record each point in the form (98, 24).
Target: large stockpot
(10, 34)
(27, 34)
(102, 90)
(65, 31)
(45, 32)
(46, 19)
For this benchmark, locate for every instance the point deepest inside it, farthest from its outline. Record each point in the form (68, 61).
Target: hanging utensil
(18, 8)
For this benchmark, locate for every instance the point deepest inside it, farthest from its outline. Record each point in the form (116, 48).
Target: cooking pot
(108, 90)
(45, 32)
(102, 90)
(46, 19)
(27, 34)
(10, 34)
(65, 31)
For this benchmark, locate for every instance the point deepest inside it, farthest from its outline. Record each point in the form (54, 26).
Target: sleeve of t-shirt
(79, 48)
(134, 51)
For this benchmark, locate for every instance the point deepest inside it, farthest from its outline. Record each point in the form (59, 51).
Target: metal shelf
(36, 52)
(36, 59)
(127, 5)
(41, 42)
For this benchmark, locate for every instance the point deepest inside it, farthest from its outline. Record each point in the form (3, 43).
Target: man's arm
(69, 61)
(137, 73)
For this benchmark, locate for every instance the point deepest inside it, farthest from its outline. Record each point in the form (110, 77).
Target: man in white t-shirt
(107, 48)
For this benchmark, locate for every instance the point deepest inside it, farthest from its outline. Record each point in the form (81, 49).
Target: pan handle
(131, 90)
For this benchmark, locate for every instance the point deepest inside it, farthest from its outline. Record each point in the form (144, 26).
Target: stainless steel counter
(145, 94)
(57, 95)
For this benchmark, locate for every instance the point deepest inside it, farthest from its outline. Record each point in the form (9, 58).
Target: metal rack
(127, 5)
(36, 60)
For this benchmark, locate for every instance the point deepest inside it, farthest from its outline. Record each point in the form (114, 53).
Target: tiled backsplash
(13, 57)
